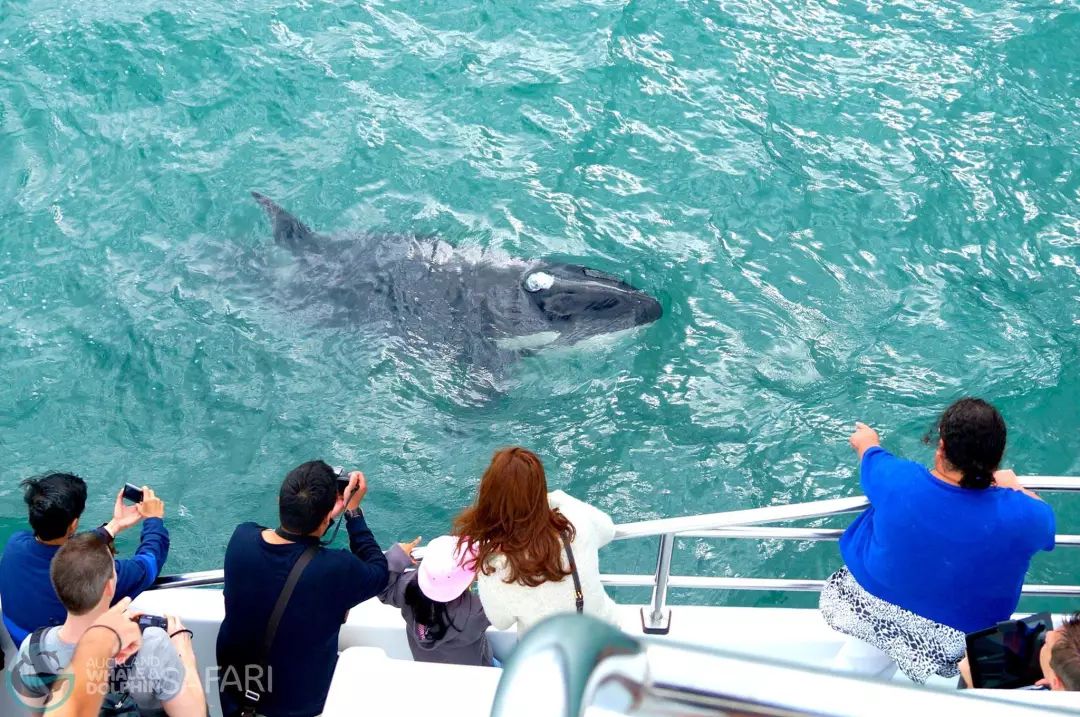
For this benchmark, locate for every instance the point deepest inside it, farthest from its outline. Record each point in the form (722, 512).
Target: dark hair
(973, 436)
(79, 571)
(512, 516)
(1065, 655)
(307, 494)
(55, 501)
(429, 613)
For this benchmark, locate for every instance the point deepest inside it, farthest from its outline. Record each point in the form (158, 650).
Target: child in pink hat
(444, 620)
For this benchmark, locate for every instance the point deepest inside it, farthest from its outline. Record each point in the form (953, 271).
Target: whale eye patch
(538, 281)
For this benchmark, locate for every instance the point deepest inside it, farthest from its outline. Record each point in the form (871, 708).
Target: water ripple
(850, 210)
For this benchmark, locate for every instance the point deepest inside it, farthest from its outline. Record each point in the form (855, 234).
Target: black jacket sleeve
(366, 573)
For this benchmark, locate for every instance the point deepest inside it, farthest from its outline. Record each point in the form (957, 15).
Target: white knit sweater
(506, 604)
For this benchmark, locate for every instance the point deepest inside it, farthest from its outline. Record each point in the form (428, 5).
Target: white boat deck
(376, 668)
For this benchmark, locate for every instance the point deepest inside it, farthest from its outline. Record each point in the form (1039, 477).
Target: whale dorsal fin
(288, 230)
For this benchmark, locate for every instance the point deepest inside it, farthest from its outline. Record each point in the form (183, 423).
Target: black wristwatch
(104, 533)
(350, 514)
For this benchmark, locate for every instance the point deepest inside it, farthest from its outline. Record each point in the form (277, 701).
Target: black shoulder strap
(283, 598)
(579, 599)
(250, 698)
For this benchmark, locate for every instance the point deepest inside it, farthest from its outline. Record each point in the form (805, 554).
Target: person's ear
(73, 527)
(110, 589)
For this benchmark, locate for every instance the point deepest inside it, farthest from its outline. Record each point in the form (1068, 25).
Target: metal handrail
(793, 511)
(751, 516)
(731, 524)
(709, 582)
(570, 664)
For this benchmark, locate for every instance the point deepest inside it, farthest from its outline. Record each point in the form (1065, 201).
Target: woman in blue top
(939, 553)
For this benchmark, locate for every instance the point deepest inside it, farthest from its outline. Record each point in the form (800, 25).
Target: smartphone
(146, 621)
(1007, 656)
(133, 493)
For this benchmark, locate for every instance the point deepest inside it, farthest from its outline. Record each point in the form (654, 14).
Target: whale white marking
(527, 341)
(539, 280)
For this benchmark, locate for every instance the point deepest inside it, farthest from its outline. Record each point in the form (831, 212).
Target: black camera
(146, 621)
(342, 479)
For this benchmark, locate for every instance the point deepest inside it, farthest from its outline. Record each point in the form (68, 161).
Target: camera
(146, 621)
(341, 478)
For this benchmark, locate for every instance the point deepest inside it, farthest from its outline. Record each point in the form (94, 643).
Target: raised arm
(1009, 479)
(863, 439)
(139, 572)
(366, 576)
(399, 559)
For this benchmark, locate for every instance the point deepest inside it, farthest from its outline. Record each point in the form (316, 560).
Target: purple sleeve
(399, 563)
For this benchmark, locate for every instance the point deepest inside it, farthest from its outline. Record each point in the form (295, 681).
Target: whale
(485, 306)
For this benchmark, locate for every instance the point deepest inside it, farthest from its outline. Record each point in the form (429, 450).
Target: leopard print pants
(920, 646)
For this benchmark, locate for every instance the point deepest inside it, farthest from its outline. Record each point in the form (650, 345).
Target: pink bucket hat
(445, 573)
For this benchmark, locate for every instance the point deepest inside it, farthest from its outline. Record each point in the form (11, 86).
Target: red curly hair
(511, 516)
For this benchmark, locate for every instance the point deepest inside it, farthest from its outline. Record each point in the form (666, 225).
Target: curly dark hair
(973, 436)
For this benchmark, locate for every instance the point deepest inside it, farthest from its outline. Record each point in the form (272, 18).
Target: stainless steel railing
(571, 665)
(743, 524)
(656, 619)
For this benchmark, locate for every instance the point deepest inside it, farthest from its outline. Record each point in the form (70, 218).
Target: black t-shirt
(304, 653)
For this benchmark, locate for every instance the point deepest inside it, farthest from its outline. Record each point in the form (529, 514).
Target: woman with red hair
(529, 543)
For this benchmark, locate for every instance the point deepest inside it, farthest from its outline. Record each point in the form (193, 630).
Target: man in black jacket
(293, 679)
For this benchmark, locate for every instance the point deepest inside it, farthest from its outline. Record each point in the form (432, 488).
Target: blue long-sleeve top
(26, 592)
(955, 555)
(304, 652)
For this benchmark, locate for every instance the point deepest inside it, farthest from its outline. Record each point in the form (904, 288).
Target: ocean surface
(849, 210)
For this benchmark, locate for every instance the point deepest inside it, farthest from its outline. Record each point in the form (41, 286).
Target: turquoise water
(850, 210)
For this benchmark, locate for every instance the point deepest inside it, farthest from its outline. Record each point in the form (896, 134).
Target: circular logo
(32, 683)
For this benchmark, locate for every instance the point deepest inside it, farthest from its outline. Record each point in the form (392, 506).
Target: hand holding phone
(124, 515)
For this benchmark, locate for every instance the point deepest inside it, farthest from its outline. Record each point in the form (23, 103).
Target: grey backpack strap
(39, 685)
(579, 599)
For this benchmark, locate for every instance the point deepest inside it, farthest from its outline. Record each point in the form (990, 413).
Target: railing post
(657, 621)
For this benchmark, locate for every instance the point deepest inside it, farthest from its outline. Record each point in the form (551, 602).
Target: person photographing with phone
(287, 594)
(161, 678)
(55, 504)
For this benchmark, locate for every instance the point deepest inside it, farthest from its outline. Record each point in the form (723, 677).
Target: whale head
(578, 302)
